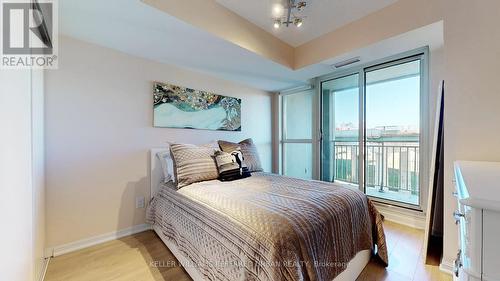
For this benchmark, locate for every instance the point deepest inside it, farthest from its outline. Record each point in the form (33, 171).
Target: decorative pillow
(193, 163)
(167, 165)
(231, 166)
(249, 151)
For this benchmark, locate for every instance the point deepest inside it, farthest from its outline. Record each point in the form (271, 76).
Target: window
(392, 139)
(372, 126)
(296, 143)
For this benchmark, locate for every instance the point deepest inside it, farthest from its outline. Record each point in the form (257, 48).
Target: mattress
(267, 227)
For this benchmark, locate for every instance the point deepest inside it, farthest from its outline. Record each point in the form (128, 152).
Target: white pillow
(167, 165)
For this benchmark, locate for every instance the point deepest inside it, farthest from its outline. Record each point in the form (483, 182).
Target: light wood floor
(144, 257)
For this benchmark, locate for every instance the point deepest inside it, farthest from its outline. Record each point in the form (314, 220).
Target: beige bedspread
(268, 227)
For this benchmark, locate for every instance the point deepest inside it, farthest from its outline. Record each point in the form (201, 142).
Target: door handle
(457, 215)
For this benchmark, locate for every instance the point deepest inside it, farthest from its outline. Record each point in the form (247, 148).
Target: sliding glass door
(371, 129)
(392, 138)
(340, 130)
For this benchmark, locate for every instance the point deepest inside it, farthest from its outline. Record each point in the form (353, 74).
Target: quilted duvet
(268, 227)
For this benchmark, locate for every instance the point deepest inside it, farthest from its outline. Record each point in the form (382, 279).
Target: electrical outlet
(139, 202)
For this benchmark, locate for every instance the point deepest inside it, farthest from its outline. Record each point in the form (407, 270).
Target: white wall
(22, 203)
(99, 130)
(472, 98)
(436, 75)
(38, 171)
(16, 202)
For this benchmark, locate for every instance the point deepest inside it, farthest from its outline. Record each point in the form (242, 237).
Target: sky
(392, 103)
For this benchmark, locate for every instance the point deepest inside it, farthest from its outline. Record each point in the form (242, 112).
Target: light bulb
(277, 10)
(298, 22)
(277, 23)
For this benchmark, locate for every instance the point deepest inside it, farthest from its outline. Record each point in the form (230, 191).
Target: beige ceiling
(379, 25)
(322, 16)
(205, 36)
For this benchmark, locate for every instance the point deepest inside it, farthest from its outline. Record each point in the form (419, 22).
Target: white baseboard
(403, 216)
(446, 266)
(88, 242)
(43, 269)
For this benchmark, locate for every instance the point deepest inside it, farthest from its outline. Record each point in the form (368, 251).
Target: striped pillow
(249, 151)
(193, 163)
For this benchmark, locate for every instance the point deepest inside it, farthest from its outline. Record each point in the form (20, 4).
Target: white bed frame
(355, 267)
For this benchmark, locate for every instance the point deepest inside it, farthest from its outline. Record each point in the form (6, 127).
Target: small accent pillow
(231, 166)
(249, 151)
(193, 163)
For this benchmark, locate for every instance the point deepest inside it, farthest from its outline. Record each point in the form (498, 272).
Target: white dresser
(478, 217)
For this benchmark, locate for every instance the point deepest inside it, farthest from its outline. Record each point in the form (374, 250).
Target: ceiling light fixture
(298, 22)
(292, 17)
(277, 23)
(301, 5)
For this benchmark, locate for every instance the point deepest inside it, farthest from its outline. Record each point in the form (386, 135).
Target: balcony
(391, 169)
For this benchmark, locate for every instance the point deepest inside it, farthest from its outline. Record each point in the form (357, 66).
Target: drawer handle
(457, 215)
(458, 263)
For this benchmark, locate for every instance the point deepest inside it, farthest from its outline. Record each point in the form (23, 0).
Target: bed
(266, 227)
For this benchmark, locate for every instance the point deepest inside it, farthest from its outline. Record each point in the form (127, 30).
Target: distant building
(347, 132)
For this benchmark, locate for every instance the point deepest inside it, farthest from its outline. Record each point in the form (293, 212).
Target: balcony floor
(400, 196)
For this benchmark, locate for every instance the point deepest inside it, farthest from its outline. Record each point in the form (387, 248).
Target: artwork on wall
(180, 107)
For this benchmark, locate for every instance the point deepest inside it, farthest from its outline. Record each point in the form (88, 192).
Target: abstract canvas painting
(180, 107)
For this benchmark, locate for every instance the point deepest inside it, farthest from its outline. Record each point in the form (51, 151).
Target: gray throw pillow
(249, 151)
